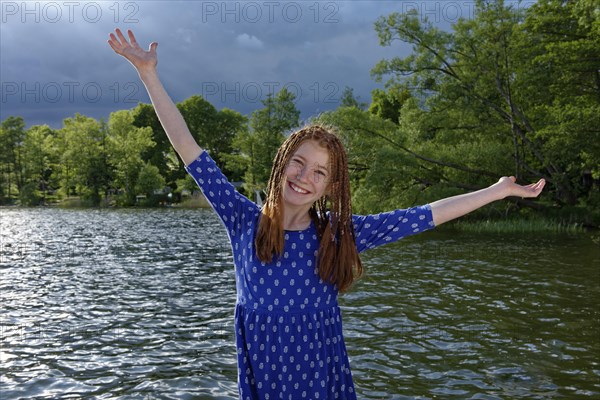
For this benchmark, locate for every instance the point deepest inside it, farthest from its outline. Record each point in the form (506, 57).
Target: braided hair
(338, 259)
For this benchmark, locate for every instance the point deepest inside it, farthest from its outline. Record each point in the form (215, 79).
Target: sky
(55, 60)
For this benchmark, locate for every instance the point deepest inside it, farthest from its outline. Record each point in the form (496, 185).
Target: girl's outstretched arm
(170, 118)
(453, 207)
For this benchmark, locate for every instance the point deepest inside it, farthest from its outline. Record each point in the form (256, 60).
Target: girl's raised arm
(453, 207)
(170, 118)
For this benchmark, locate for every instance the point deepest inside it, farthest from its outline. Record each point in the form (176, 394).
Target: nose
(301, 174)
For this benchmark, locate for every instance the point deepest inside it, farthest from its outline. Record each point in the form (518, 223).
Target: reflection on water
(139, 304)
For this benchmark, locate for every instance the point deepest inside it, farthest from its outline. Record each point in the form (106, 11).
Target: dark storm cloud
(55, 61)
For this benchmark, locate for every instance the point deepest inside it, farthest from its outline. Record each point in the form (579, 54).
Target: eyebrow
(318, 165)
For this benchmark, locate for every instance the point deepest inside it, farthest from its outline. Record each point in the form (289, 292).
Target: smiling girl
(295, 254)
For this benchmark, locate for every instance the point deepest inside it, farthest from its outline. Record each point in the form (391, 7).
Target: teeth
(297, 189)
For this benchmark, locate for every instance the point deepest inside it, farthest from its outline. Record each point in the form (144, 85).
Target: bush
(29, 195)
(149, 180)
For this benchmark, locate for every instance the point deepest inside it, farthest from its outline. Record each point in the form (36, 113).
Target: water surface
(139, 304)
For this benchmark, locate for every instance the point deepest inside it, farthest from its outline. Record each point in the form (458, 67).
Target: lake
(139, 304)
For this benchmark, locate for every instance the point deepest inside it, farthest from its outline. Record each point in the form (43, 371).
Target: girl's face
(307, 175)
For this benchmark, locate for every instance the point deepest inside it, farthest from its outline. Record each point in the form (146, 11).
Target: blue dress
(288, 324)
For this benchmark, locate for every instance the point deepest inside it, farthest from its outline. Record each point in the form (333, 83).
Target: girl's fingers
(121, 36)
(110, 42)
(132, 38)
(536, 188)
(114, 41)
(541, 185)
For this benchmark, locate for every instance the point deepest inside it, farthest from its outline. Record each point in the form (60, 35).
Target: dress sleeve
(377, 229)
(235, 210)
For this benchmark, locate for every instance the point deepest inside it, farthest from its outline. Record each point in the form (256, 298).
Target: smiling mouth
(298, 189)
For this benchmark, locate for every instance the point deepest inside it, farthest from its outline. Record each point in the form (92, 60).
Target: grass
(525, 225)
(111, 202)
(78, 202)
(71, 202)
(194, 202)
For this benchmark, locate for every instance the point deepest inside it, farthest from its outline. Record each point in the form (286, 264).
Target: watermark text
(70, 92)
(255, 92)
(270, 12)
(53, 12)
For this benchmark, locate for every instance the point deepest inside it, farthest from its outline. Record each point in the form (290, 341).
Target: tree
(563, 83)
(125, 145)
(82, 168)
(158, 155)
(387, 104)
(496, 95)
(149, 180)
(230, 123)
(38, 161)
(259, 146)
(381, 167)
(12, 133)
(213, 130)
(348, 100)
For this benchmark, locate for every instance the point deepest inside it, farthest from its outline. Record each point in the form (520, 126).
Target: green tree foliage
(12, 134)
(30, 195)
(149, 180)
(213, 130)
(90, 159)
(230, 123)
(564, 82)
(39, 160)
(387, 104)
(82, 169)
(125, 145)
(510, 91)
(349, 100)
(159, 154)
(258, 146)
(381, 167)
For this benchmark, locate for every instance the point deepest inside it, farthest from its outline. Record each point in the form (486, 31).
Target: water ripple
(138, 304)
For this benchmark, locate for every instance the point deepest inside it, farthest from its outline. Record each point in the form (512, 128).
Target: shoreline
(534, 224)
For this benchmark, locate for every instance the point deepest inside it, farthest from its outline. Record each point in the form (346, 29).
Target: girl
(294, 255)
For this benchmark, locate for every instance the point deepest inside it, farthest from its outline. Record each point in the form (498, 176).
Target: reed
(532, 225)
(194, 202)
(72, 202)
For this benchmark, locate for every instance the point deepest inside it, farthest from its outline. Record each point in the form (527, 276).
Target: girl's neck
(296, 219)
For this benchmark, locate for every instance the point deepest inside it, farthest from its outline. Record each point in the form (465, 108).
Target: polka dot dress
(288, 324)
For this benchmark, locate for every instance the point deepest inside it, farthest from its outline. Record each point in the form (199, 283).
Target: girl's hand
(142, 60)
(456, 206)
(509, 187)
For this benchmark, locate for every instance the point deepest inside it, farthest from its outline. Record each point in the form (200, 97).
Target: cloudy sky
(55, 60)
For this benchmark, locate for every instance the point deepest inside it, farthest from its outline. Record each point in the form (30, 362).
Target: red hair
(338, 259)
